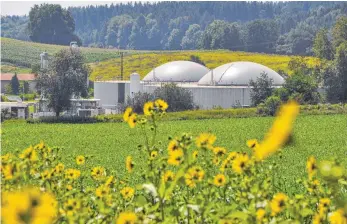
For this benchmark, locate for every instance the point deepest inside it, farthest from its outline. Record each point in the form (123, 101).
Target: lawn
(323, 136)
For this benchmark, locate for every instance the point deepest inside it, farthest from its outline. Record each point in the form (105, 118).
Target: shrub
(179, 99)
(137, 101)
(28, 96)
(261, 89)
(270, 106)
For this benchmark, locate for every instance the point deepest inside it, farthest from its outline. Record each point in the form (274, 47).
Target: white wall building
(225, 86)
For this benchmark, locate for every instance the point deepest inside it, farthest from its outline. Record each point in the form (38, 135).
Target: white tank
(44, 60)
(135, 85)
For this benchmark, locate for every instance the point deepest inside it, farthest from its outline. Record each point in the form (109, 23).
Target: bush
(270, 106)
(262, 89)
(28, 96)
(179, 99)
(62, 119)
(282, 93)
(137, 101)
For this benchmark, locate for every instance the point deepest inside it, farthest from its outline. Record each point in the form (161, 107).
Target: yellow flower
(323, 205)
(5, 158)
(219, 151)
(127, 192)
(338, 217)
(129, 164)
(46, 175)
(168, 176)
(176, 157)
(59, 168)
(28, 204)
(132, 120)
(102, 191)
(161, 104)
(311, 166)
(148, 108)
(317, 219)
(260, 214)
(29, 154)
(219, 180)
(205, 140)
(154, 154)
(110, 181)
(72, 174)
(80, 160)
(194, 175)
(240, 163)
(195, 154)
(127, 114)
(127, 218)
(9, 171)
(68, 187)
(278, 203)
(279, 132)
(253, 144)
(72, 206)
(173, 146)
(98, 173)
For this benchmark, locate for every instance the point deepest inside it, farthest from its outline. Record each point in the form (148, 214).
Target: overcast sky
(23, 7)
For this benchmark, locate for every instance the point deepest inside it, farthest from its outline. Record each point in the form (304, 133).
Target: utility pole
(121, 64)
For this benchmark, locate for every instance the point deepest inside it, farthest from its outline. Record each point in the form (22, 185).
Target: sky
(20, 8)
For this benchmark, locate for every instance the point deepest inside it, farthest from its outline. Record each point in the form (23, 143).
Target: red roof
(21, 77)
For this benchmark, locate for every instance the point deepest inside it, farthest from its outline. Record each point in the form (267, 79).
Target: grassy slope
(29, 52)
(321, 135)
(144, 63)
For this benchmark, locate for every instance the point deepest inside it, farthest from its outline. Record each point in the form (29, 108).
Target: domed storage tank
(239, 74)
(177, 71)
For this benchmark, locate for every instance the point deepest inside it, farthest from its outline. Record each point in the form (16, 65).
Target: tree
(196, 59)
(262, 89)
(192, 37)
(51, 24)
(335, 76)
(15, 84)
(66, 77)
(321, 46)
(340, 31)
(174, 40)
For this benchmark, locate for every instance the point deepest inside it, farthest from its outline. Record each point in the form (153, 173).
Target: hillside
(144, 63)
(24, 54)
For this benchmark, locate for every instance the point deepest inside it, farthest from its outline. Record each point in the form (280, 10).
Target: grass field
(323, 136)
(144, 63)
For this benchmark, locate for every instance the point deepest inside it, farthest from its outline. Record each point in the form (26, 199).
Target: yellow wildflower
(8, 171)
(278, 203)
(317, 219)
(323, 205)
(132, 120)
(127, 218)
(127, 192)
(168, 176)
(98, 173)
(173, 146)
(240, 163)
(260, 214)
(311, 166)
(161, 104)
(154, 154)
(46, 175)
(176, 157)
(129, 164)
(194, 175)
(338, 217)
(127, 114)
(195, 154)
(279, 132)
(253, 144)
(219, 151)
(102, 191)
(148, 108)
(80, 160)
(71, 207)
(205, 140)
(219, 180)
(59, 168)
(72, 174)
(110, 181)
(29, 154)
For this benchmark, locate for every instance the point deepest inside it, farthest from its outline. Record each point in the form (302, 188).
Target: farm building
(225, 86)
(6, 80)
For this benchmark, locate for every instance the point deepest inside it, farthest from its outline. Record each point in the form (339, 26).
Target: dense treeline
(270, 27)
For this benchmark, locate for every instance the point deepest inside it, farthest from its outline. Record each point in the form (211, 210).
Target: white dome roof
(177, 71)
(239, 73)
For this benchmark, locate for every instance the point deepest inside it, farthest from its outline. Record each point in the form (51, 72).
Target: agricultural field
(23, 53)
(323, 136)
(144, 63)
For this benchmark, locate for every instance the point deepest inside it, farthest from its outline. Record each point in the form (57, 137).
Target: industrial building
(225, 86)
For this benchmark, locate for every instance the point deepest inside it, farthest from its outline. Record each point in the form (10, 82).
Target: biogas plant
(225, 86)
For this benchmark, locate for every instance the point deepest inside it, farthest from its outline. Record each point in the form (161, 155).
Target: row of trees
(272, 27)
